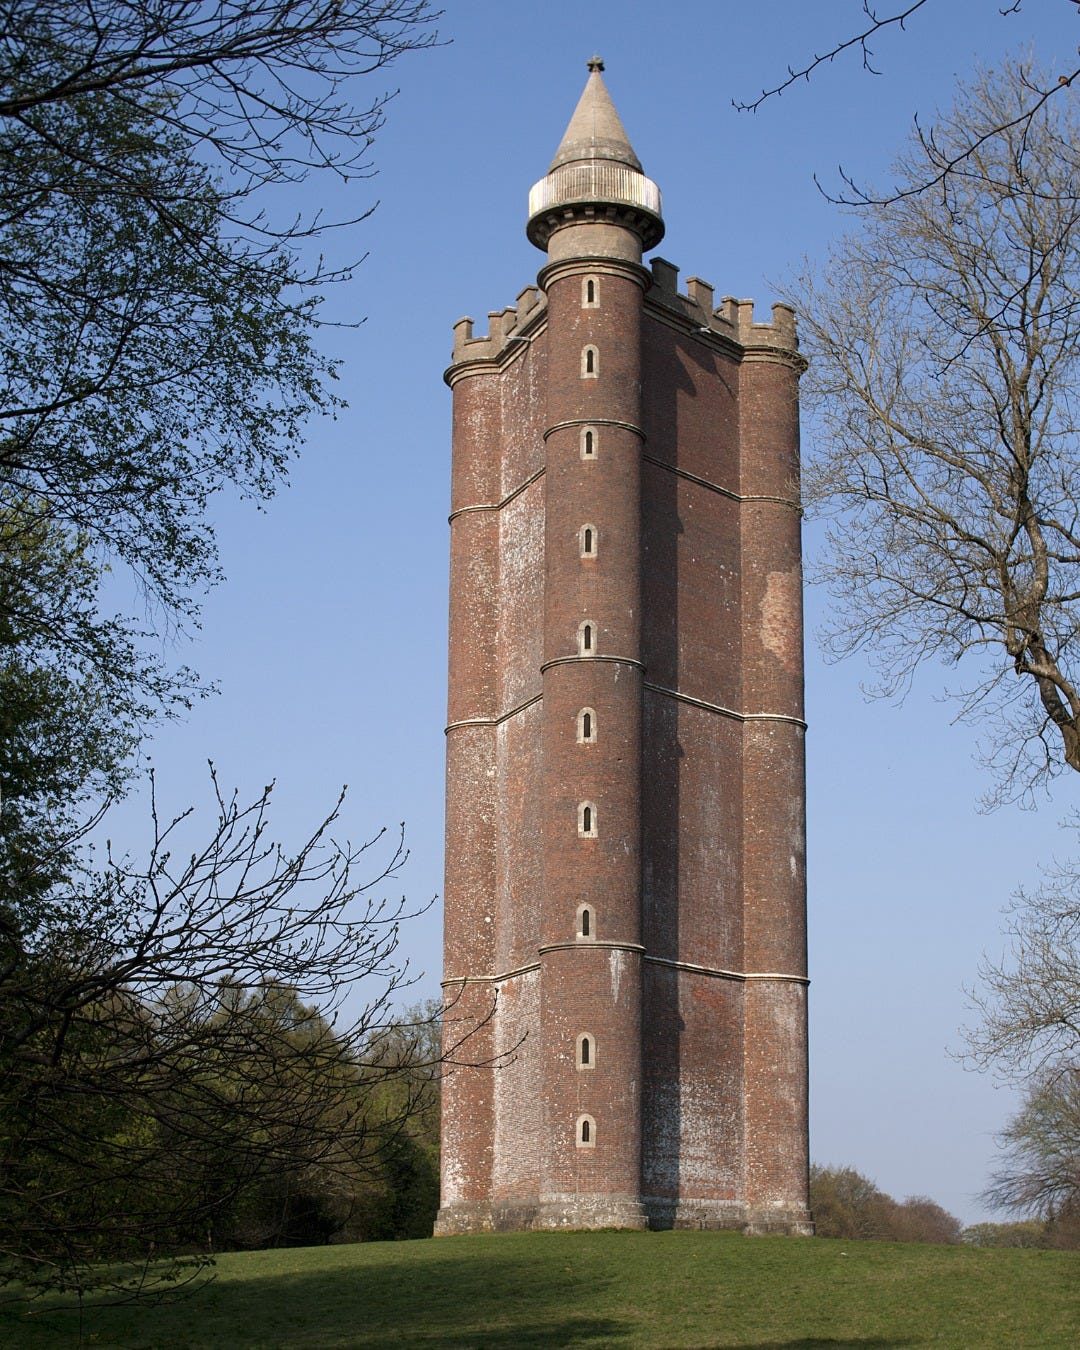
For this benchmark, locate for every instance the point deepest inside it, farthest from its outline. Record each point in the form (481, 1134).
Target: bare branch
(857, 40)
(943, 345)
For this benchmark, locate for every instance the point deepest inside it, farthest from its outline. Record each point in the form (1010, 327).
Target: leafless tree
(1040, 1169)
(178, 1031)
(944, 342)
(941, 159)
(1028, 1001)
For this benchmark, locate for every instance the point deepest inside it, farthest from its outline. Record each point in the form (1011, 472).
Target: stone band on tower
(625, 882)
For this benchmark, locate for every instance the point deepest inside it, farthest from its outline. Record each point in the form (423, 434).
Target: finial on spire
(595, 131)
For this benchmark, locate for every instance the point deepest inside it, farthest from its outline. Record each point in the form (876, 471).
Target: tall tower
(625, 835)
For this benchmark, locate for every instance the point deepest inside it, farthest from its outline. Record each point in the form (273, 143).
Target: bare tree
(1028, 1031)
(179, 1031)
(944, 341)
(941, 159)
(1028, 1001)
(1040, 1171)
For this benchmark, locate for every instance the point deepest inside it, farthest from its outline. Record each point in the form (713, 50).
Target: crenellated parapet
(508, 329)
(732, 322)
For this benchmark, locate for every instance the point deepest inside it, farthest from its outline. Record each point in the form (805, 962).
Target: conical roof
(595, 168)
(595, 130)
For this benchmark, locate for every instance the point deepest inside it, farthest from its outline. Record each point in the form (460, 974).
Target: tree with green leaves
(158, 321)
(158, 346)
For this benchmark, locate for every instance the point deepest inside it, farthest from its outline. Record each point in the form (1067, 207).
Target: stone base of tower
(792, 1222)
(590, 1211)
(580, 1213)
(575, 1213)
(730, 1216)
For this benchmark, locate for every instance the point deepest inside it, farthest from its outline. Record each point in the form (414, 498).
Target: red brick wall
(691, 984)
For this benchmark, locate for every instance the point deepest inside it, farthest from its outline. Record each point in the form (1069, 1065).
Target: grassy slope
(604, 1289)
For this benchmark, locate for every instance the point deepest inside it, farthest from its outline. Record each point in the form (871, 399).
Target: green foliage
(1022, 1233)
(651, 1290)
(845, 1204)
(401, 1201)
(166, 1080)
(147, 361)
(66, 733)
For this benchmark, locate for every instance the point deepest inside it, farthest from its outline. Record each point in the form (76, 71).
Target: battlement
(732, 319)
(505, 326)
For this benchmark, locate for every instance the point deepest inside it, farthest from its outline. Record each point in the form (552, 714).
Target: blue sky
(328, 639)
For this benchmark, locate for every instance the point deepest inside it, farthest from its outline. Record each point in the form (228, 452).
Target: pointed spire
(595, 130)
(595, 167)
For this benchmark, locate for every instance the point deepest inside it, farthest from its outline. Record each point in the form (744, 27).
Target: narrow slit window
(586, 1132)
(586, 638)
(587, 820)
(590, 293)
(590, 362)
(586, 922)
(586, 726)
(585, 1056)
(588, 443)
(588, 538)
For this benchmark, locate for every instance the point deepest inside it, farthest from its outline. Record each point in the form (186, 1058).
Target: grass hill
(601, 1289)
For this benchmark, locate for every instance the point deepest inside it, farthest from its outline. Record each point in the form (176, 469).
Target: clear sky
(328, 639)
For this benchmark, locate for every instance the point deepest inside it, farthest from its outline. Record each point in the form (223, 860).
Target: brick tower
(625, 833)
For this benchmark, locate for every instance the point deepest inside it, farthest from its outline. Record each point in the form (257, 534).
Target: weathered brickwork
(625, 876)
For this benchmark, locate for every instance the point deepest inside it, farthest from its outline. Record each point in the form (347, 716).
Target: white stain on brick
(778, 613)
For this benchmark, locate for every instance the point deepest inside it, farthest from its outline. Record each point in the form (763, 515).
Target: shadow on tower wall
(672, 369)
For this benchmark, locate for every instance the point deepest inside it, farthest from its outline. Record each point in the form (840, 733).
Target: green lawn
(603, 1289)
